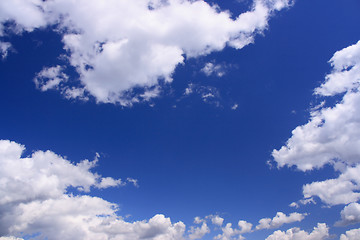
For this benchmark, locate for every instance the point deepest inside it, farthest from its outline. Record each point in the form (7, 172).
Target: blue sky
(189, 105)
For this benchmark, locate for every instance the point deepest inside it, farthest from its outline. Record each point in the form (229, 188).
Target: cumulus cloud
(216, 219)
(198, 232)
(352, 234)
(244, 226)
(350, 215)
(279, 220)
(35, 198)
(341, 190)
(319, 233)
(118, 47)
(229, 233)
(27, 15)
(332, 134)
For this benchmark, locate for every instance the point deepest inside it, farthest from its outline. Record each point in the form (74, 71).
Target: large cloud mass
(35, 199)
(122, 49)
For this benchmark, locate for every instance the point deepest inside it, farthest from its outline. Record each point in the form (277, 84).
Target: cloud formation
(350, 215)
(36, 199)
(124, 49)
(319, 233)
(332, 136)
(198, 232)
(229, 233)
(279, 220)
(352, 234)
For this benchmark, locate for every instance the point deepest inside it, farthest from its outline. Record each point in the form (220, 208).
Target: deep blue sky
(194, 159)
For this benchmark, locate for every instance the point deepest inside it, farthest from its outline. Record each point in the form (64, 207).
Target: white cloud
(346, 72)
(279, 220)
(208, 94)
(350, 215)
(341, 190)
(35, 199)
(353, 234)
(216, 220)
(302, 202)
(50, 78)
(198, 232)
(27, 14)
(133, 181)
(199, 220)
(235, 106)
(244, 226)
(228, 233)
(332, 135)
(319, 233)
(117, 46)
(214, 69)
(10, 238)
(4, 49)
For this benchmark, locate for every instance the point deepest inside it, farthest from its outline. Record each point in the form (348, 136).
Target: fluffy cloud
(332, 135)
(35, 199)
(215, 219)
(229, 233)
(43, 175)
(341, 190)
(350, 215)
(27, 15)
(353, 234)
(50, 78)
(118, 47)
(198, 232)
(244, 226)
(279, 220)
(319, 233)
